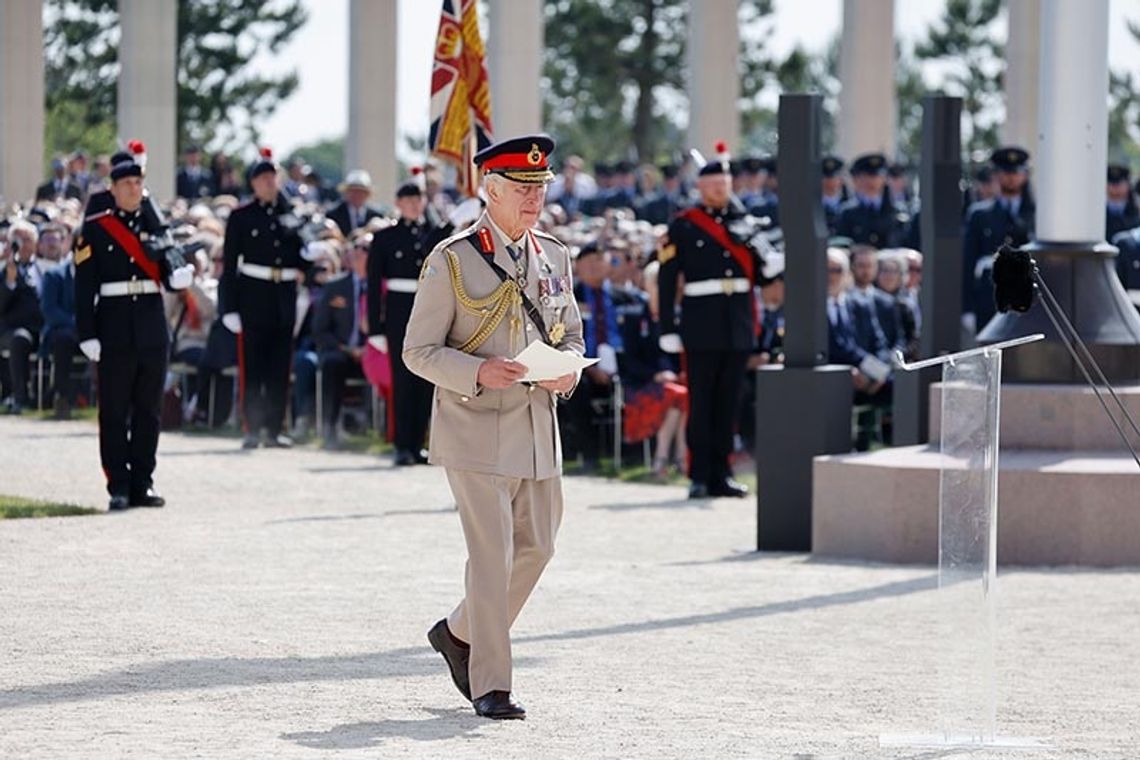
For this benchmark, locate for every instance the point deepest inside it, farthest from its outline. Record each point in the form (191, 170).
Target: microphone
(1013, 273)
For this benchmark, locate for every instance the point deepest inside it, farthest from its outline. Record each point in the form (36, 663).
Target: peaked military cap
(123, 164)
(715, 167)
(523, 159)
(831, 165)
(869, 163)
(1010, 158)
(1118, 173)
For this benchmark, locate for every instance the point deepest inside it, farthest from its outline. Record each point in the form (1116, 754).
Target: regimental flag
(460, 92)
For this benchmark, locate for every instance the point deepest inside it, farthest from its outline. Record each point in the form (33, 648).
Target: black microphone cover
(1013, 279)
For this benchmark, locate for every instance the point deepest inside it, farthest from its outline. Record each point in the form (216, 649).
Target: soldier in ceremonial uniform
(483, 296)
(394, 263)
(121, 324)
(263, 259)
(710, 246)
(1007, 218)
(870, 218)
(1120, 206)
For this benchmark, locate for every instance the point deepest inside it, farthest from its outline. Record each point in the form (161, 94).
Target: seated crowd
(613, 225)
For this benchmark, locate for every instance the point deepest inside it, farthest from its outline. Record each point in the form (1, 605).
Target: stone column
(21, 99)
(867, 108)
(514, 64)
(1022, 74)
(371, 140)
(714, 79)
(148, 88)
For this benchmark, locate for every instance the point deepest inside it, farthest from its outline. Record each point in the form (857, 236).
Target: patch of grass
(16, 507)
(83, 413)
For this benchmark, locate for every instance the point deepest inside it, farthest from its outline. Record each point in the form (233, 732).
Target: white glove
(182, 277)
(91, 348)
(670, 343)
(232, 322)
(380, 343)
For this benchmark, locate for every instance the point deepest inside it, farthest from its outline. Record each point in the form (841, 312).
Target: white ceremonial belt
(724, 287)
(402, 285)
(128, 288)
(269, 274)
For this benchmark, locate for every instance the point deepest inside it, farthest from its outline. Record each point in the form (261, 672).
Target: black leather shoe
(405, 458)
(422, 456)
(279, 441)
(729, 487)
(698, 491)
(498, 705)
(149, 498)
(119, 503)
(250, 441)
(455, 653)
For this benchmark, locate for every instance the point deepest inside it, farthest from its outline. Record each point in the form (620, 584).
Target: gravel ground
(278, 606)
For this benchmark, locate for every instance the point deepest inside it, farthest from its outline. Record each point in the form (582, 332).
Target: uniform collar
(503, 236)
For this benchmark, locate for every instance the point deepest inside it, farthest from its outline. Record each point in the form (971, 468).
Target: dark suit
(870, 224)
(394, 264)
(718, 331)
(20, 324)
(1116, 222)
(341, 214)
(191, 185)
(134, 335)
(989, 225)
(268, 308)
(53, 189)
(60, 339)
(337, 328)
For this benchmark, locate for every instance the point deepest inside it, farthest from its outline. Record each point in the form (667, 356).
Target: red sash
(129, 243)
(739, 251)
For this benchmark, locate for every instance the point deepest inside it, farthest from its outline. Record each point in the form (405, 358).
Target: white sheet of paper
(545, 363)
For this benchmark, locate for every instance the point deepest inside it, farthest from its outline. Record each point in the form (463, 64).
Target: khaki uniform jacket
(511, 432)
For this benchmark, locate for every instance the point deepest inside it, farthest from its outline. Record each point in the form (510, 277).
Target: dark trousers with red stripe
(264, 357)
(715, 379)
(411, 399)
(130, 403)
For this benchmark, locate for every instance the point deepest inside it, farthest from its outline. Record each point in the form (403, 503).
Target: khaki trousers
(509, 525)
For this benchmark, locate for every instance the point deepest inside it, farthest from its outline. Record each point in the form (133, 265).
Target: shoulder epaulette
(461, 235)
(97, 215)
(548, 236)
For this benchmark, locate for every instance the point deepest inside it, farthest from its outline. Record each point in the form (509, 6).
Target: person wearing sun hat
(483, 295)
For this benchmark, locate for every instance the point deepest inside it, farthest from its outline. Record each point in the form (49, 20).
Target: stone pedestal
(1067, 488)
(371, 140)
(21, 99)
(148, 88)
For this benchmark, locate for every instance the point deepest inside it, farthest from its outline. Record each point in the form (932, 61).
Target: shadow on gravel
(665, 504)
(362, 515)
(230, 451)
(897, 588)
(444, 724)
(224, 672)
(351, 468)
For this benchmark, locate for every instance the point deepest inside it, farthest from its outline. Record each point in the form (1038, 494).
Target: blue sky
(320, 52)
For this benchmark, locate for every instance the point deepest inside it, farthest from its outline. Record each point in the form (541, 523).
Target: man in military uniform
(483, 296)
(121, 324)
(870, 218)
(832, 191)
(1007, 218)
(711, 246)
(263, 259)
(394, 263)
(1121, 212)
